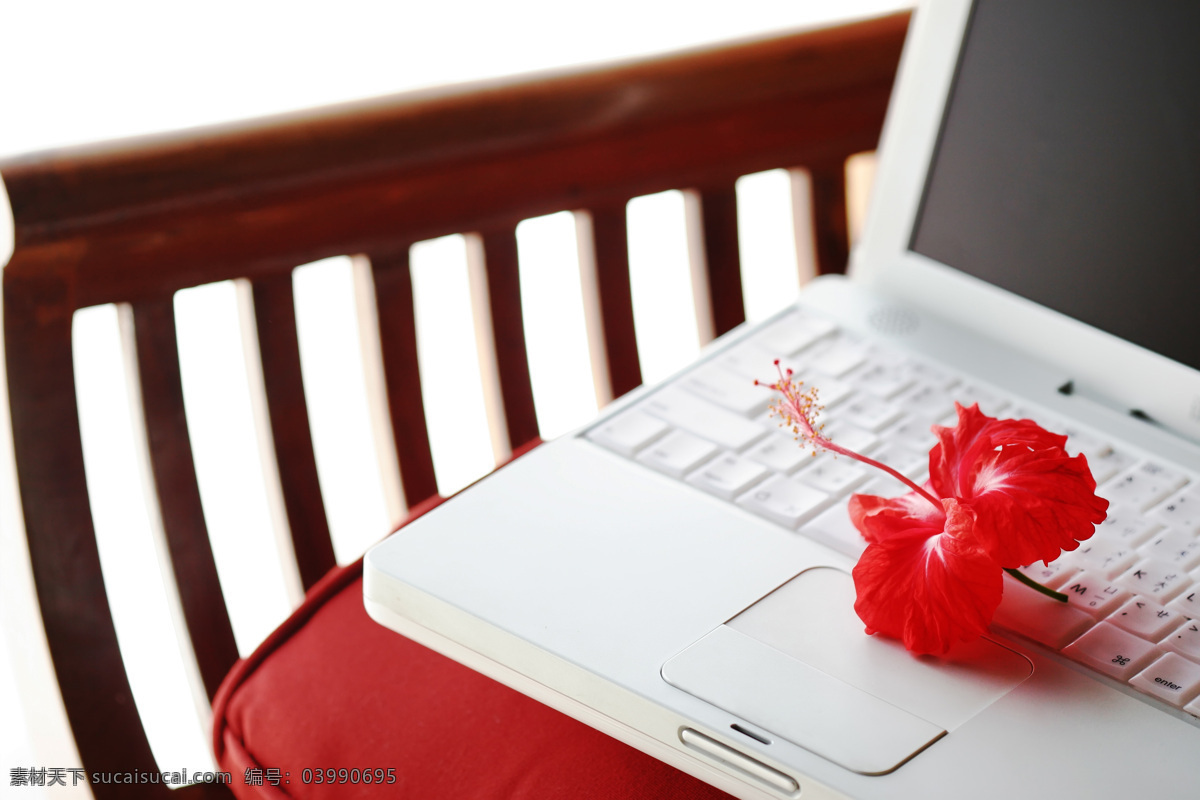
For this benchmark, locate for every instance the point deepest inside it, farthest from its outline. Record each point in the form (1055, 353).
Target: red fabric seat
(331, 688)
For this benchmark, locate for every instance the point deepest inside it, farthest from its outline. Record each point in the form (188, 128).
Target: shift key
(702, 418)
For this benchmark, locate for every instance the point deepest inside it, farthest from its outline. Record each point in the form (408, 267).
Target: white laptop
(677, 573)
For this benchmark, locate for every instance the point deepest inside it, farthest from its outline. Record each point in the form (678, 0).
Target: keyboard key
(719, 425)
(832, 527)
(749, 361)
(948, 421)
(793, 333)
(1114, 652)
(1050, 423)
(780, 452)
(869, 413)
(878, 353)
(1093, 593)
(1185, 640)
(784, 500)
(677, 453)
(1102, 557)
(836, 357)
(1164, 474)
(1041, 618)
(911, 433)
(933, 375)
(1125, 527)
(1188, 602)
(1050, 575)
(797, 364)
(926, 403)
(728, 389)
(728, 475)
(885, 486)
(1143, 486)
(1091, 447)
(1180, 511)
(1172, 678)
(830, 390)
(989, 402)
(1104, 468)
(1078, 440)
(905, 461)
(1146, 618)
(850, 436)
(1175, 547)
(882, 380)
(1155, 580)
(628, 432)
(833, 475)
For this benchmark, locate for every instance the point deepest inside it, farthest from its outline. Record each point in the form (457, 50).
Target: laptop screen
(1068, 165)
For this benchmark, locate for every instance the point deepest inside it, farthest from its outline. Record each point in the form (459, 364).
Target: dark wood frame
(135, 221)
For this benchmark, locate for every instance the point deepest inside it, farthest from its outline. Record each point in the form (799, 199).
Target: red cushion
(333, 688)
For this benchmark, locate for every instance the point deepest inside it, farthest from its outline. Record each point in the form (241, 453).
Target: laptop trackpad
(798, 665)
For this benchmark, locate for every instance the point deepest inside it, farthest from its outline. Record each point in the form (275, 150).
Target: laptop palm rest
(798, 665)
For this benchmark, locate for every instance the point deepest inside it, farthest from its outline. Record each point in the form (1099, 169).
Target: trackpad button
(798, 664)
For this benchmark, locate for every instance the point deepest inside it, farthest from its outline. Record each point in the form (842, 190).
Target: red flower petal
(1031, 498)
(879, 518)
(922, 578)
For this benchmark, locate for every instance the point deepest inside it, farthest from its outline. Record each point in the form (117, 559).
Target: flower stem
(835, 448)
(1037, 587)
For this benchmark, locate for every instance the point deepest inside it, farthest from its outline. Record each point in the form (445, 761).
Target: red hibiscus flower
(1001, 494)
(1032, 499)
(1010, 495)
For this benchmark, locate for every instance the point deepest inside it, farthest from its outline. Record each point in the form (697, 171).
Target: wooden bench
(134, 222)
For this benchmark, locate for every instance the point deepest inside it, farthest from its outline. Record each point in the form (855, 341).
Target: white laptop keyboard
(1133, 588)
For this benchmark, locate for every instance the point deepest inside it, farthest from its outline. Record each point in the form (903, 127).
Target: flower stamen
(798, 410)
